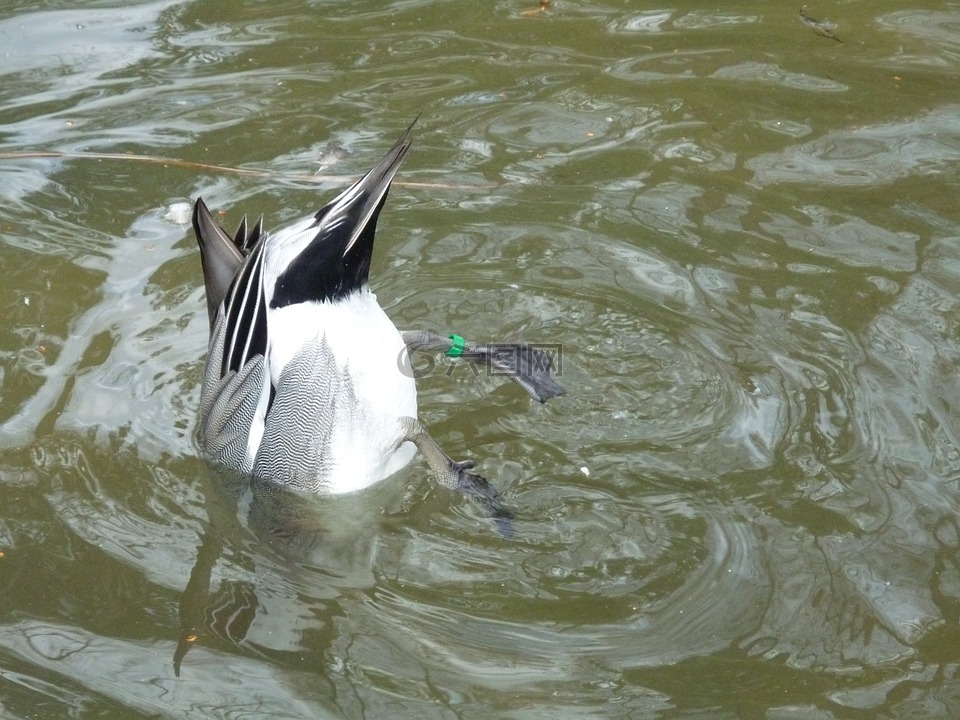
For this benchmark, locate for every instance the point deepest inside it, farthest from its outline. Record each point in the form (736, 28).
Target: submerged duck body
(303, 383)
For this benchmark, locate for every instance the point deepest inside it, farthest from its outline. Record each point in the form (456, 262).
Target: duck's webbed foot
(456, 475)
(528, 366)
(480, 489)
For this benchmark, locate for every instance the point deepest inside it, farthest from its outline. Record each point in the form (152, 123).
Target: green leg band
(457, 349)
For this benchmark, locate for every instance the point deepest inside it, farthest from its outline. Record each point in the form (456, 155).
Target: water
(742, 232)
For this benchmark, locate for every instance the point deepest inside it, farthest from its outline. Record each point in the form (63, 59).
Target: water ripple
(865, 156)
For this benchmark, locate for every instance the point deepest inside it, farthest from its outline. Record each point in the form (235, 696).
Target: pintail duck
(302, 385)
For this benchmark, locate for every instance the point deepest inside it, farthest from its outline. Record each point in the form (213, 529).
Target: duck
(307, 382)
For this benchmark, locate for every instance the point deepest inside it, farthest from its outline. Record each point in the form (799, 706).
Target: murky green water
(745, 236)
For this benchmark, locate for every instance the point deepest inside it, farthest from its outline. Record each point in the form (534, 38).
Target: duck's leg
(455, 475)
(527, 366)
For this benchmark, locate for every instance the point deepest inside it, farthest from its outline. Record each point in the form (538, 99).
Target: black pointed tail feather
(219, 256)
(336, 262)
(245, 240)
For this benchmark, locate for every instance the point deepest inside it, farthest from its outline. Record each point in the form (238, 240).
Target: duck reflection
(283, 559)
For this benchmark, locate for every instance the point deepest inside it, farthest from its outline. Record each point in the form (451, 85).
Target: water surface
(742, 232)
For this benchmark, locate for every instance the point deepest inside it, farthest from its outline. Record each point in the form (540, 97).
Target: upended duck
(304, 385)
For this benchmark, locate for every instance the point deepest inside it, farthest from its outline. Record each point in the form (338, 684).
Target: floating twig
(250, 172)
(823, 29)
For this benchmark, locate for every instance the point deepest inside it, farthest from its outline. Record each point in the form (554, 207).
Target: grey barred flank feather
(228, 405)
(211, 371)
(295, 450)
(232, 415)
